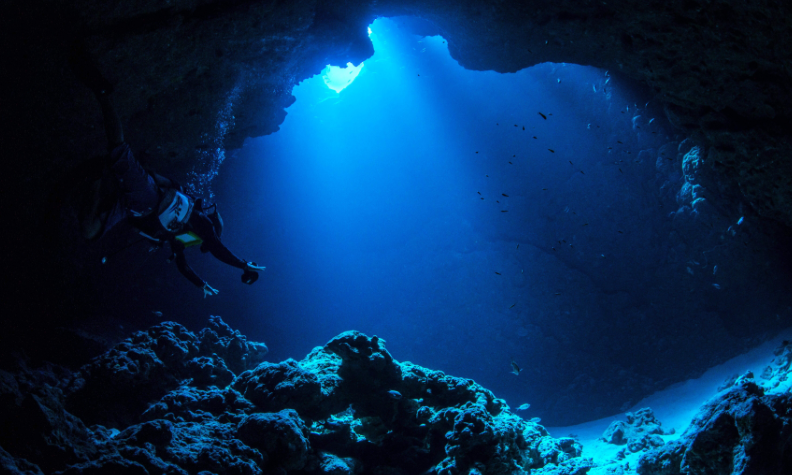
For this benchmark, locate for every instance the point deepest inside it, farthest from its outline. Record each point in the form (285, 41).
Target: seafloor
(169, 401)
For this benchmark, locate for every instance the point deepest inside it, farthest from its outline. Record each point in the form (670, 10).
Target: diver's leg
(92, 220)
(86, 71)
(112, 124)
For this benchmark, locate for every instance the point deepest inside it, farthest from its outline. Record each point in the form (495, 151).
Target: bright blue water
(366, 207)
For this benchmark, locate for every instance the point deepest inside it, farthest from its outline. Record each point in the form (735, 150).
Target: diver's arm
(203, 227)
(112, 124)
(186, 270)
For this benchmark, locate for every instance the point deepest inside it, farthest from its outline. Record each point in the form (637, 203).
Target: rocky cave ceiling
(722, 68)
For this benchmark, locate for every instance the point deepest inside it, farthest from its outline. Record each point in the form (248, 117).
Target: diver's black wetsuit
(139, 203)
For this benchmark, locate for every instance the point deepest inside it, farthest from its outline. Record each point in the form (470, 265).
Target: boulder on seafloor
(276, 386)
(642, 431)
(742, 431)
(282, 436)
(115, 387)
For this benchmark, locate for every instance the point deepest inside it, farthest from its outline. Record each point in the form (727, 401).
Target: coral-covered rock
(282, 436)
(209, 371)
(11, 465)
(641, 431)
(742, 431)
(115, 387)
(231, 346)
(35, 424)
(276, 386)
(778, 375)
(188, 404)
(118, 385)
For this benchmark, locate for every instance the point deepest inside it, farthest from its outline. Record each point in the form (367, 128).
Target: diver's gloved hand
(250, 273)
(209, 290)
(251, 266)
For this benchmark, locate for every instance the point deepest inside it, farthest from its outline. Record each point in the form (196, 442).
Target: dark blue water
(382, 209)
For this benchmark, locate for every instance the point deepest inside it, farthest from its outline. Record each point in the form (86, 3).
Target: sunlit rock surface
(365, 412)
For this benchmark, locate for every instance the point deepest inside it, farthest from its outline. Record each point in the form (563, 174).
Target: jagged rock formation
(641, 431)
(348, 408)
(740, 432)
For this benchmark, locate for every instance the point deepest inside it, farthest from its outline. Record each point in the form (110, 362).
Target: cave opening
(549, 217)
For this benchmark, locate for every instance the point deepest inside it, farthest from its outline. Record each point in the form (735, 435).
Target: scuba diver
(158, 207)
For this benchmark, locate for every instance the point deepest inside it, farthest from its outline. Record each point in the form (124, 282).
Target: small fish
(482, 197)
(581, 171)
(497, 201)
(504, 211)
(570, 162)
(651, 120)
(716, 286)
(515, 369)
(504, 194)
(619, 141)
(512, 305)
(559, 80)
(620, 232)
(534, 136)
(104, 260)
(558, 293)
(689, 270)
(584, 224)
(476, 151)
(740, 221)
(516, 125)
(156, 313)
(620, 170)
(536, 420)
(551, 150)
(478, 192)
(510, 163)
(552, 248)
(543, 116)
(544, 189)
(498, 273)
(523, 407)
(714, 270)
(594, 87)
(610, 148)
(393, 394)
(523, 127)
(518, 246)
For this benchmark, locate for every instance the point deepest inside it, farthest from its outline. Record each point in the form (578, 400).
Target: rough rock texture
(348, 407)
(745, 429)
(372, 414)
(642, 431)
(151, 363)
